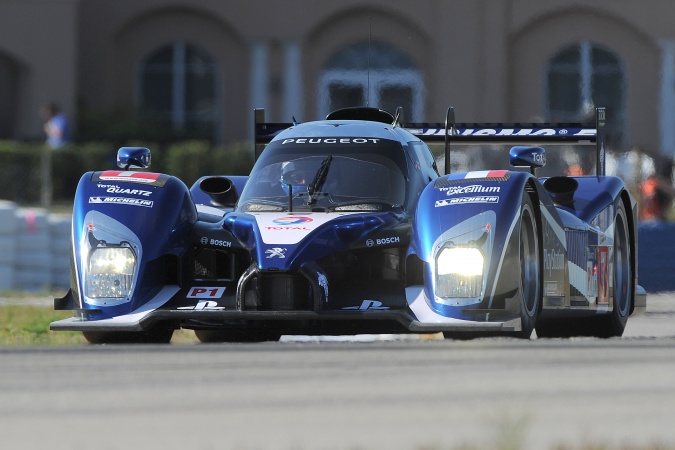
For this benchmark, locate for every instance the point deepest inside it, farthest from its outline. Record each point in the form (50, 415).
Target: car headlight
(459, 272)
(110, 272)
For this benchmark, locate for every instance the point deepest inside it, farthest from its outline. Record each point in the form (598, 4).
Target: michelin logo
(121, 201)
(465, 200)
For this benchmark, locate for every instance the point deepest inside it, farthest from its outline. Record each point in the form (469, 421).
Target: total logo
(292, 220)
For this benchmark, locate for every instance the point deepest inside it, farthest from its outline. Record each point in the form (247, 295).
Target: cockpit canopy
(325, 174)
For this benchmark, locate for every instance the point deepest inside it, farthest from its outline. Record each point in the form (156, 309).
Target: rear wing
(479, 133)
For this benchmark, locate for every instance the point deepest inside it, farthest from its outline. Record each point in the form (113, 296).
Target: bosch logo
(219, 243)
(292, 220)
(383, 241)
(389, 240)
(204, 240)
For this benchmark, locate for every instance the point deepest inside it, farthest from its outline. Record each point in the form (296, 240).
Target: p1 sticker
(206, 292)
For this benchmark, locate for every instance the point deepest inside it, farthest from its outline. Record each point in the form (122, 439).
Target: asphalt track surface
(376, 392)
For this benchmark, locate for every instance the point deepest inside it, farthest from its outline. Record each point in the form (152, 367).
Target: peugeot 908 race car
(344, 226)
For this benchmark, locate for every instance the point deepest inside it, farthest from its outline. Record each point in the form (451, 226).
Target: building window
(584, 76)
(374, 74)
(178, 90)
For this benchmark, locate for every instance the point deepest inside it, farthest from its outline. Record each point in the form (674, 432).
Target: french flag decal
(486, 174)
(147, 178)
(469, 177)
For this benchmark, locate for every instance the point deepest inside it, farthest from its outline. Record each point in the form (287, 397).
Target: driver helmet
(297, 174)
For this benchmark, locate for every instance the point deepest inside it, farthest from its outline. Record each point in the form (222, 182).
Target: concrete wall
(486, 58)
(38, 61)
(34, 249)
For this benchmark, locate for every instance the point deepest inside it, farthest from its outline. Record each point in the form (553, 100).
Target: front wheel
(530, 264)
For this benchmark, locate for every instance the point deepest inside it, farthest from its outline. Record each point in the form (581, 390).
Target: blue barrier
(656, 256)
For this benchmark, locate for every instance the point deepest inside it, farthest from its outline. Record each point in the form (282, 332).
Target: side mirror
(133, 157)
(526, 156)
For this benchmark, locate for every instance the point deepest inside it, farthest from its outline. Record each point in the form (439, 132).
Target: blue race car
(344, 226)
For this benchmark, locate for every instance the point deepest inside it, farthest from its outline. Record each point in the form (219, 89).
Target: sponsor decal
(330, 141)
(591, 278)
(551, 288)
(368, 305)
(539, 158)
(507, 131)
(553, 260)
(486, 174)
(121, 201)
(276, 252)
(114, 189)
(134, 177)
(383, 241)
(205, 292)
(204, 305)
(288, 229)
(465, 200)
(471, 189)
(603, 274)
(292, 220)
(215, 242)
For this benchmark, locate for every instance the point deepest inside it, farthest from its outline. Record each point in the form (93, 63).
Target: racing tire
(235, 336)
(530, 291)
(152, 336)
(614, 324)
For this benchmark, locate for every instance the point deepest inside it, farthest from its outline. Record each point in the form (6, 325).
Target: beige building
(201, 66)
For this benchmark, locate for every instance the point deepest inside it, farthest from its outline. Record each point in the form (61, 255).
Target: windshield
(335, 177)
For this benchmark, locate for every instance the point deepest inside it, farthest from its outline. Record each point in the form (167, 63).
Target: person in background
(56, 125)
(656, 199)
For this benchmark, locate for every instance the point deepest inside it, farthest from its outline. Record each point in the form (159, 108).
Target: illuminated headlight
(459, 272)
(110, 272)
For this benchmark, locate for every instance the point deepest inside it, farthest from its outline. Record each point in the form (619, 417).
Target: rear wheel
(530, 264)
(614, 324)
(153, 336)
